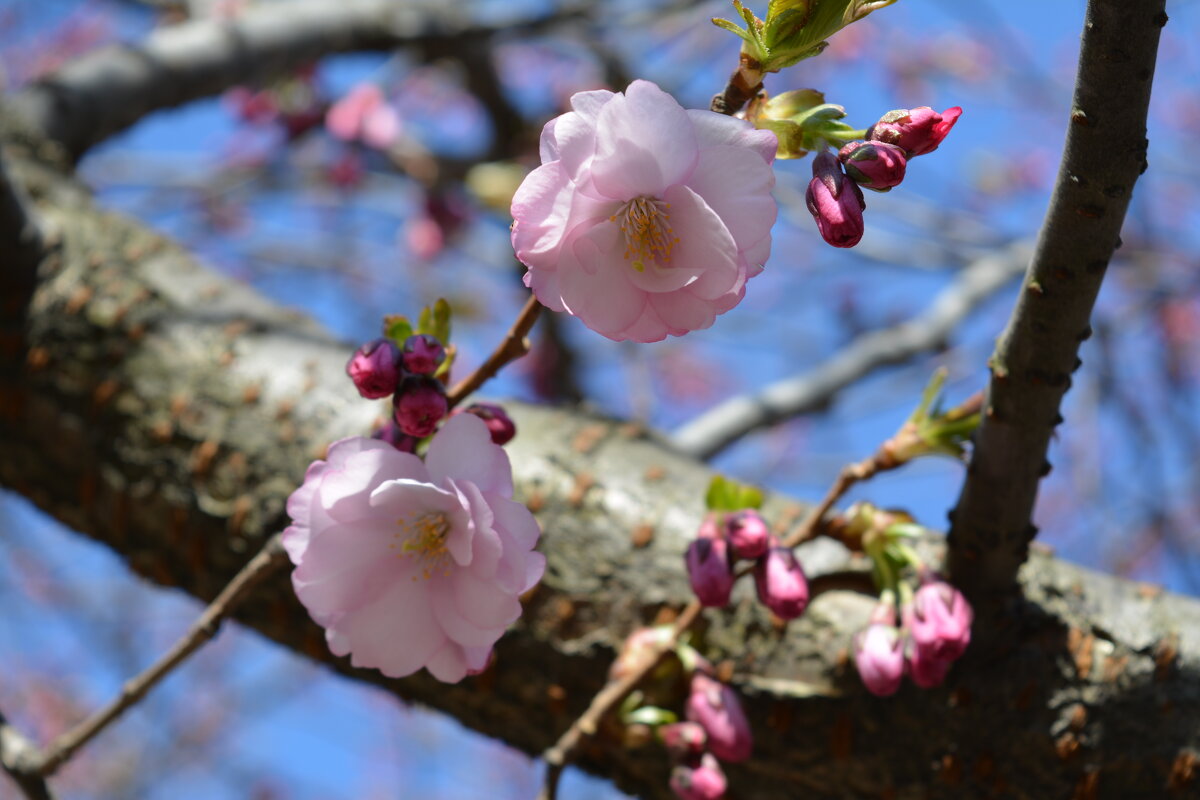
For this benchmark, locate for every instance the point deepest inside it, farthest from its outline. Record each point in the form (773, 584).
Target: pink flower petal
(736, 184)
(448, 611)
(381, 127)
(339, 489)
(705, 245)
(597, 288)
(463, 451)
(682, 311)
(718, 129)
(644, 143)
(449, 663)
(397, 644)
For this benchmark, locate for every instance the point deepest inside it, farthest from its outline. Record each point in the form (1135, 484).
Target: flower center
(648, 235)
(423, 537)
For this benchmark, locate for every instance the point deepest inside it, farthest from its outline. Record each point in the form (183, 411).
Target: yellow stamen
(648, 236)
(423, 537)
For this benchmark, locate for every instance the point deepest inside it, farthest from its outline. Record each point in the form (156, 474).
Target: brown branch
(269, 559)
(514, 345)
(19, 758)
(1031, 368)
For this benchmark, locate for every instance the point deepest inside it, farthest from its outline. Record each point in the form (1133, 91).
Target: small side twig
(270, 558)
(514, 345)
(19, 758)
(605, 701)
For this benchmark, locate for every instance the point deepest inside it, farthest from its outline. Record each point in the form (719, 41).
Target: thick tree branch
(721, 426)
(176, 410)
(1031, 369)
(109, 90)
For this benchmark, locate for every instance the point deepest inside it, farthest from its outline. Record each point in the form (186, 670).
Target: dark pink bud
(390, 432)
(375, 368)
(423, 354)
(748, 534)
(835, 202)
(917, 131)
(716, 707)
(499, 424)
(874, 165)
(705, 781)
(685, 741)
(709, 571)
(939, 620)
(925, 669)
(781, 584)
(879, 653)
(419, 406)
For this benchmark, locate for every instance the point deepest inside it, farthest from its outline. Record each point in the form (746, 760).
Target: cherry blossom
(645, 220)
(409, 563)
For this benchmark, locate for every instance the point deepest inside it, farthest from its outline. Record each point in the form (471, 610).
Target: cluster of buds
(716, 728)
(935, 631)
(725, 539)
(878, 162)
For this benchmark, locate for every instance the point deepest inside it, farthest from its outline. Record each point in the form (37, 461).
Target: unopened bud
(879, 652)
(782, 586)
(709, 571)
(717, 708)
(390, 432)
(917, 131)
(748, 534)
(423, 354)
(835, 202)
(419, 405)
(874, 165)
(499, 424)
(375, 368)
(925, 669)
(704, 781)
(939, 620)
(685, 741)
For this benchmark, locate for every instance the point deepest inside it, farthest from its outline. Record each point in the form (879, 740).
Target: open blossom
(409, 563)
(645, 220)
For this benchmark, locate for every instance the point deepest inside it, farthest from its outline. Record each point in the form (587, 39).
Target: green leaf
(650, 715)
(729, 495)
(397, 328)
(441, 321)
(789, 137)
(732, 28)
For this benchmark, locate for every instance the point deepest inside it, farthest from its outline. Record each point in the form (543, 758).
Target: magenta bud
(835, 202)
(917, 131)
(925, 669)
(781, 584)
(390, 432)
(879, 656)
(420, 404)
(423, 354)
(704, 781)
(939, 621)
(709, 571)
(748, 534)
(874, 165)
(375, 368)
(499, 424)
(717, 708)
(685, 741)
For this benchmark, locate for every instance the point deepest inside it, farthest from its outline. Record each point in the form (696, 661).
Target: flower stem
(514, 345)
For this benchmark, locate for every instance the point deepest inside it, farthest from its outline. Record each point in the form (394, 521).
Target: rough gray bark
(168, 412)
(1031, 369)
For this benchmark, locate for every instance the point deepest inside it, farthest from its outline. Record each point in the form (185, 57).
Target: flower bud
(879, 652)
(423, 354)
(748, 534)
(705, 781)
(874, 165)
(781, 584)
(939, 620)
(709, 571)
(917, 131)
(390, 432)
(835, 202)
(925, 669)
(375, 368)
(419, 405)
(716, 707)
(685, 741)
(499, 424)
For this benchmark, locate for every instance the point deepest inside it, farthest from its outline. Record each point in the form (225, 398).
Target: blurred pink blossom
(364, 115)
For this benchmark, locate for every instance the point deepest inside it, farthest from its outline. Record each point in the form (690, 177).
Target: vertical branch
(1031, 368)
(22, 246)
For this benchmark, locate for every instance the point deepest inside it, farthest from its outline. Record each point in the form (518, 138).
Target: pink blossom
(704, 781)
(409, 563)
(939, 620)
(645, 220)
(917, 131)
(365, 115)
(717, 708)
(879, 656)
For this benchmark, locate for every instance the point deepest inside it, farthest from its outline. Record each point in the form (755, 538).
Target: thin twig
(514, 345)
(606, 700)
(270, 558)
(19, 757)
(721, 426)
